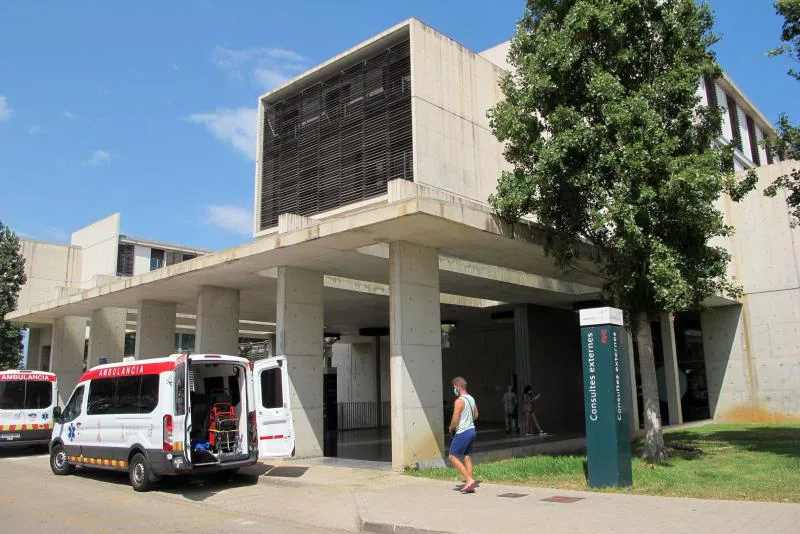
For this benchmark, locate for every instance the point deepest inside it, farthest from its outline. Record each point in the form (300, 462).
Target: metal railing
(360, 415)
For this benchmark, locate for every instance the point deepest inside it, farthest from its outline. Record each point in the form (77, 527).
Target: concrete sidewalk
(372, 500)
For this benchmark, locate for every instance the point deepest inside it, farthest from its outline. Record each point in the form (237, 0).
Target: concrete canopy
(482, 258)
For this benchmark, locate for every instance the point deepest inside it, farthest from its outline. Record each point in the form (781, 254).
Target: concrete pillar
(415, 356)
(522, 346)
(34, 352)
(107, 335)
(66, 356)
(217, 321)
(299, 337)
(667, 321)
(632, 381)
(155, 329)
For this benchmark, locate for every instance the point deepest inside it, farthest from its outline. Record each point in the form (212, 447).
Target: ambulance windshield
(25, 394)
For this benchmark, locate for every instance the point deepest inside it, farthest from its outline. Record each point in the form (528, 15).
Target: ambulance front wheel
(142, 477)
(59, 463)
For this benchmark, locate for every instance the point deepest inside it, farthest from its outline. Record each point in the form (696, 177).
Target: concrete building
(372, 228)
(95, 256)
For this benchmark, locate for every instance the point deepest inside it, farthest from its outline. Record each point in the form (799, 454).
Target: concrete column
(415, 356)
(66, 354)
(217, 321)
(632, 381)
(107, 335)
(299, 337)
(522, 346)
(671, 380)
(155, 329)
(34, 352)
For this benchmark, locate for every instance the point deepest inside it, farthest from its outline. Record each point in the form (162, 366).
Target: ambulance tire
(58, 462)
(142, 477)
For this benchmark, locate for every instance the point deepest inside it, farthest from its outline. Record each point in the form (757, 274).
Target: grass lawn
(756, 462)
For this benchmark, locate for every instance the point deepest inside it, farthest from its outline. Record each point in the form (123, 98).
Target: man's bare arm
(457, 407)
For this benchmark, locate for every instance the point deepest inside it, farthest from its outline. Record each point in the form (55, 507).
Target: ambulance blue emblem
(71, 432)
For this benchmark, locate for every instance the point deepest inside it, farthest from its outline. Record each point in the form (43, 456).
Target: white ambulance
(178, 415)
(27, 400)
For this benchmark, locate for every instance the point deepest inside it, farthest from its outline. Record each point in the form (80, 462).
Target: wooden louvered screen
(736, 128)
(754, 148)
(125, 256)
(340, 141)
(711, 92)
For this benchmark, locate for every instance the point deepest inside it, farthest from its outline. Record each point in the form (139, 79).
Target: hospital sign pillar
(606, 397)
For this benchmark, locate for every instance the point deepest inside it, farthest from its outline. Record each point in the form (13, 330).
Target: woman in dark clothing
(529, 417)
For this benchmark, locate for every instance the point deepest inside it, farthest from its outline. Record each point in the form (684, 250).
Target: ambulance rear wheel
(142, 478)
(59, 463)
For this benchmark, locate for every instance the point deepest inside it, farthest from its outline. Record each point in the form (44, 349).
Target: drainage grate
(513, 495)
(562, 499)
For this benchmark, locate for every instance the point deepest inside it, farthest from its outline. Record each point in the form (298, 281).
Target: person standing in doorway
(462, 428)
(510, 409)
(529, 412)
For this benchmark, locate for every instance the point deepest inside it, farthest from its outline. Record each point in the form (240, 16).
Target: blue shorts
(462, 443)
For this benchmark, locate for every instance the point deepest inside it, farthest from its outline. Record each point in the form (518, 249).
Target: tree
(12, 277)
(787, 143)
(609, 145)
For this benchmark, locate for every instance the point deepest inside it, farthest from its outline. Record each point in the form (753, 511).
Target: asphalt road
(32, 499)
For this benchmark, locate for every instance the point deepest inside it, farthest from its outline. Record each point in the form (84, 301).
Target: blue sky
(149, 109)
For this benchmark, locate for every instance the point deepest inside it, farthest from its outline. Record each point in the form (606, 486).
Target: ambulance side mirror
(57, 414)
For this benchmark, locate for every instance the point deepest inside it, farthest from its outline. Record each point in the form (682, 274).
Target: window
(271, 389)
(148, 394)
(12, 395)
(125, 256)
(126, 396)
(101, 396)
(180, 390)
(73, 408)
(156, 258)
(754, 148)
(123, 395)
(25, 395)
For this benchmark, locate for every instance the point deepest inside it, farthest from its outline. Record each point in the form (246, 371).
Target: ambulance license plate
(9, 437)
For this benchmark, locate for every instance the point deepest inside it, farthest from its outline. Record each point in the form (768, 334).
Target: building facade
(372, 228)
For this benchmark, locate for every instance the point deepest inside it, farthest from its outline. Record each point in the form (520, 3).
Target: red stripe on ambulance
(134, 369)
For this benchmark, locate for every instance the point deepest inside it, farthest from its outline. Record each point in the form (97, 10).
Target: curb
(378, 527)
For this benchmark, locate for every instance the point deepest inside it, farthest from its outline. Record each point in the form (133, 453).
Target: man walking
(510, 409)
(465, 411)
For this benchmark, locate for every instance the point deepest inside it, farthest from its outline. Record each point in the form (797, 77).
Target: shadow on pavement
(22, 450)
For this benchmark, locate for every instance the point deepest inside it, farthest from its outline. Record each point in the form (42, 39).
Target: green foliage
(609, 143)
(12, 277)
(787, 144)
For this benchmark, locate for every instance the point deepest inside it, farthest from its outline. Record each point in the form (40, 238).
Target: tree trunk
(654, 449)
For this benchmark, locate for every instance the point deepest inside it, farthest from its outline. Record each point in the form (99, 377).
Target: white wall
(99, 243)
(451, 90)
(141, 260)
(753, 351)
(48, 266)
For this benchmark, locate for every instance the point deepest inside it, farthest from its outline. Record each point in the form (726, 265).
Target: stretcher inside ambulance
(27, 399)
